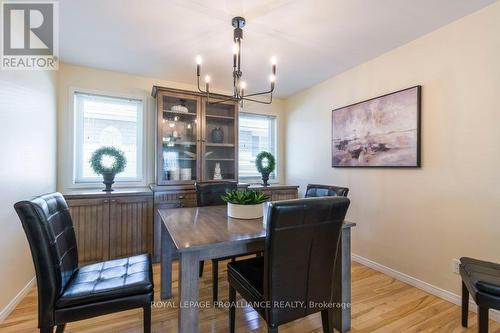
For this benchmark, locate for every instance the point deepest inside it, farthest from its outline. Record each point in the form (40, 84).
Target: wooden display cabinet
(194, 136)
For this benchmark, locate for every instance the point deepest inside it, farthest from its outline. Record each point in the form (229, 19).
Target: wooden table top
(200, 228)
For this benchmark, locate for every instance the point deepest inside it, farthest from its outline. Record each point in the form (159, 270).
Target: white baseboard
(431, 289)
(5, 312)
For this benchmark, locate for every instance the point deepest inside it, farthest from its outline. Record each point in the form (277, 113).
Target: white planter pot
(246, 212)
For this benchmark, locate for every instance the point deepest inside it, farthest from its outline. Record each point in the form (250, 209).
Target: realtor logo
(29, 35)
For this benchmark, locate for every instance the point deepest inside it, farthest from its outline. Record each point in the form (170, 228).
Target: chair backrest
(49, 229)
(316, 190)
(301, 248)
(209, 193)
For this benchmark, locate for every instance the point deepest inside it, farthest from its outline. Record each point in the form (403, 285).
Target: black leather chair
(68, 293)
(209, 194)
(316, 190)
(482, 280)
(298, 262)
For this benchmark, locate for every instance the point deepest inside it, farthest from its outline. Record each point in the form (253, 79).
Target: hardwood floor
(380, 304)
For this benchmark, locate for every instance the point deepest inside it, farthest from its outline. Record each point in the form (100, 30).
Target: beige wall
(28, 146)
(72, 77)
(416, 221)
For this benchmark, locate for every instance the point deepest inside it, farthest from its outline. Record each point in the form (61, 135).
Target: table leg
(188, 291)
(166, 264)
(342, 284)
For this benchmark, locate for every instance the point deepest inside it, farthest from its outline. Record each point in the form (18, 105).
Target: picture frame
(381, 132)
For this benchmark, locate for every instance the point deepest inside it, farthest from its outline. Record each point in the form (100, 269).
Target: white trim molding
(427, 287)
(5, 312)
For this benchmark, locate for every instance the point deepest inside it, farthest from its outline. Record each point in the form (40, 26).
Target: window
(107, 121)
(257, 133)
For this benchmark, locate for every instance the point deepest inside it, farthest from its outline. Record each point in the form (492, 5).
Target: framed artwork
(380, 132)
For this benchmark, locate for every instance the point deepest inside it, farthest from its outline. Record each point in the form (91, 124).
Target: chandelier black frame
(238, 84)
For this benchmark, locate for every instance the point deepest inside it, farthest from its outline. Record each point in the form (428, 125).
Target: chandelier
(239, 86)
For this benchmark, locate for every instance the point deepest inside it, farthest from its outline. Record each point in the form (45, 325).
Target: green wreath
(119, 160)
(271, 162)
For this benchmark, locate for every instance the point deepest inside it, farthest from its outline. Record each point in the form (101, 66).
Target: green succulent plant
(245, 197)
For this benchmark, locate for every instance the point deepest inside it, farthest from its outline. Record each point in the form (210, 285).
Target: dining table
(203, 233)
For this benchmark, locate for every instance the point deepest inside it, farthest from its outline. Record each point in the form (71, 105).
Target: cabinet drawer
(185, 198)
(279, 194)
(175, 204)
(284, 195)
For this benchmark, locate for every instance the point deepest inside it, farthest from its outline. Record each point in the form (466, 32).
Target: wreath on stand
(108, 171)
(265, 164)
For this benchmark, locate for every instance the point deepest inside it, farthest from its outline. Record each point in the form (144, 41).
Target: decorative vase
(217, 135)
(108, 180)
(265, 178)
(245, 212)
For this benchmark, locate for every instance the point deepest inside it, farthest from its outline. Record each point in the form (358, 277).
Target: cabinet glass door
(178, 138)
(220, 134)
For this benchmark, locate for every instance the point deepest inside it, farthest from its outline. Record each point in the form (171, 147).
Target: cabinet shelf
(181, 113)
(219, 117)
(220, 144)
(219, 159)
(185, 143)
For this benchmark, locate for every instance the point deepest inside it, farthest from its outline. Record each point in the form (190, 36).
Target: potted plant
(108, 161)
(245, 204)
(265, 164)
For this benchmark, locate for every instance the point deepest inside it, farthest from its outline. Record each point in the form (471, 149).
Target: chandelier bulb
(207, 79)
(198, 60)
(272, 78)
(274, 60)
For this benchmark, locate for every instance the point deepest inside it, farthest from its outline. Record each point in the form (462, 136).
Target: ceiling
(312, 39)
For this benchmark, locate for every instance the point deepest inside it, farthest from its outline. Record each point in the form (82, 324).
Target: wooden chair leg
(215, 280)
(60, 328)
(482, 325)
(47, 329)
(202, 264)
(147, 319)
(465, 305)
(232, 308)
(327, 323)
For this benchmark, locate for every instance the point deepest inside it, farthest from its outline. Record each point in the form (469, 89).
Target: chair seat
(484, 275)
(248, 274)
(108, 280)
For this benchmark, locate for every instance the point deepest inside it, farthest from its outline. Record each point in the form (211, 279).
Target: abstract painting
(380, 132)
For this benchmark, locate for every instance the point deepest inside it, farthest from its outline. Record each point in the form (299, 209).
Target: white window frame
(258, 179)
(77, 179)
